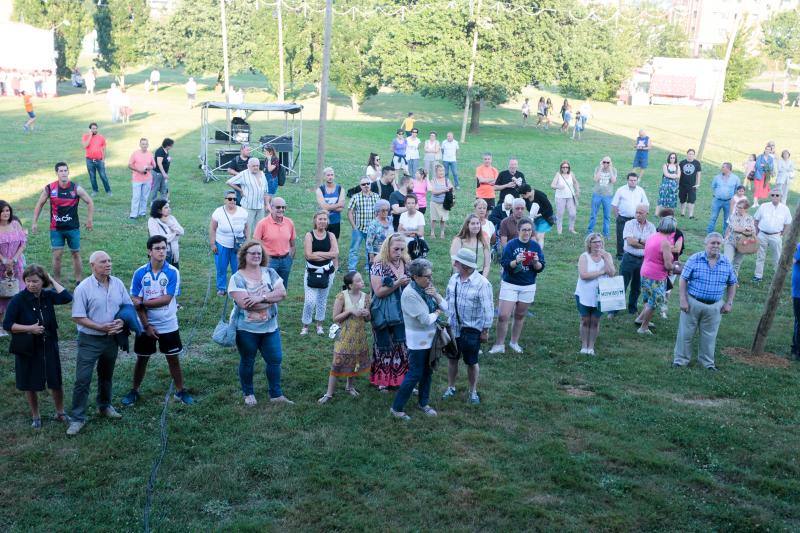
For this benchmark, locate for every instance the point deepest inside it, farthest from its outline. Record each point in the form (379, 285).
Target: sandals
(325, 399)
(62, 417)
(352, 392)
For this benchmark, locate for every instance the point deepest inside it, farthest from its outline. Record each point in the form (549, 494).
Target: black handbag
(449, 199)
(386, 311)
(318, 280)
(22, 344)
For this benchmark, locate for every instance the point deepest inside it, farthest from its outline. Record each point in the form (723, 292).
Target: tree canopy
(123, 29)
(781, 37)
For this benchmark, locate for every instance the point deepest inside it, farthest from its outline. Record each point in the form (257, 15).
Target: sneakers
(756, 280)
(304, 331)
(516, 347)
(281, 399)
(474, 399)
(645, 331)
(320, 330)
(36, 423)
(712, 368)
(110, 412)
(428, 410)
(250, 400)
(75, 427)
(184, 397)
(449, 393)
(399, 414)
(131, 398)
(498, 348)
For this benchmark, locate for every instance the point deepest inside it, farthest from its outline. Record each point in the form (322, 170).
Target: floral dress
(10, 242)
(350, 350)
(668, 191)
(389, 352)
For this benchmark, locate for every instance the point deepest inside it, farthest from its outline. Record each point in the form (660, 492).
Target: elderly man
(624, 205)
(469, 305)
(508, 227)
(501, 210)
(723, 187)
(486, 175)
(707, 288)
(772, 221)
(509, 181)
(96, 302)
(251, 184)
(277, 235)
(635, 233)
(360, 213)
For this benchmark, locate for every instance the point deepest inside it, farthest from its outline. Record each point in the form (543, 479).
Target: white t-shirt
(412, 148)
(449, 149)
(415, 223)
(225, 229)
(488, 228)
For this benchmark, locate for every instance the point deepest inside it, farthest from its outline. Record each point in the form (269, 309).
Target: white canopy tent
(25, 48)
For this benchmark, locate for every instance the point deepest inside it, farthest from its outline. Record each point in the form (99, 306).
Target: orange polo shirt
(485, 190)
(274, 236)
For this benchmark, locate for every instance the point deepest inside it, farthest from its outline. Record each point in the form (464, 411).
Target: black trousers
(630, 270)
(796, 336)
(621, 221)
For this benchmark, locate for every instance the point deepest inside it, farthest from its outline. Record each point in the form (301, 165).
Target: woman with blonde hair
(472, 237)
(593, 264)
(322, 260)
(567, 193)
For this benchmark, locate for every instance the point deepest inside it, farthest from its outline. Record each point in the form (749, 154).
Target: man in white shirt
(449, 153)
(624, 204)
(772, 221)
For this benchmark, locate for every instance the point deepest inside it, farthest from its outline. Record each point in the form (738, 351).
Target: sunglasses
(775, 195)
(364, 184)
(606, 162)
(279, 206)
(564, 168)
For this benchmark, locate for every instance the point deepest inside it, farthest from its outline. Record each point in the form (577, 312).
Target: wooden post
(281, 88)
(784, 266)
(471, 76)
(720, 88)
(323, 88)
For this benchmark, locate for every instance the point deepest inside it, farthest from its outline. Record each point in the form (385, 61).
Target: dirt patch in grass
(703, 402)
(766, 360)
(578, 391)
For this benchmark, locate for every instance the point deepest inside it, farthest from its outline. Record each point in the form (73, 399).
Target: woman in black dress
(31, 320)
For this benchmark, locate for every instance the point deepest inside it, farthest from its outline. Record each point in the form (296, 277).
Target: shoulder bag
(449, 198)
(745, 244)
(237, 240)
(9, 286)
(386, 311)
(225, 331)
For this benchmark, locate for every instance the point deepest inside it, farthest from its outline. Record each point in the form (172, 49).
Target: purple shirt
(399, 146)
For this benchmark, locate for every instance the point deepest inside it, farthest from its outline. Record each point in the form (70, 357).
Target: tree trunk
(475, 117)
(354, 102)
(773, 299)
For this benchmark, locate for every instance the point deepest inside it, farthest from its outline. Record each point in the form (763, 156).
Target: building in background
(708, 22)
(673, 81)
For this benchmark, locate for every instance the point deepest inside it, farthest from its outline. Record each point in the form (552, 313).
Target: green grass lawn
(560, 441)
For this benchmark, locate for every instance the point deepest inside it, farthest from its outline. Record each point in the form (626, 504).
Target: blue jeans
(272, 185)
(419, 371)
(597, 201)
(282, 266)
(450, 166)
(94, 167)
(357, 238)
(716, 205)
(270, 346)
(225, 257)
(413, 166)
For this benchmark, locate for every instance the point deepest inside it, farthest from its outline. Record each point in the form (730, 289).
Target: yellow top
(408, 124)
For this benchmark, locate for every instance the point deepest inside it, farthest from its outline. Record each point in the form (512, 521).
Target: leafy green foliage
(781, 38)
(123, 27)
(741, 67)
(52, 14)
(351, 69)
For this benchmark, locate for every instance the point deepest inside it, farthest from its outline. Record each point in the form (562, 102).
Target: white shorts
(517, 293)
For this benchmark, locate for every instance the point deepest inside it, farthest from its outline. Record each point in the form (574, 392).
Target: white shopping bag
(611, 294)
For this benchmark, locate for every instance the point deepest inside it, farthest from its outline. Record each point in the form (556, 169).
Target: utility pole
(717, 92)
(323, 88)
(471, 77)
(278, 8)
(226, 81)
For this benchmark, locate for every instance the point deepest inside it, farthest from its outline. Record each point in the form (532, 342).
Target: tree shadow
(768, 97)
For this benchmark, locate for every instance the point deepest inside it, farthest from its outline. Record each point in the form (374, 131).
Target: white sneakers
(516, 347)
(498, 348)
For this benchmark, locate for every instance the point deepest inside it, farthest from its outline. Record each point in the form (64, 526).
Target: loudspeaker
(281, 143)
(225, 156)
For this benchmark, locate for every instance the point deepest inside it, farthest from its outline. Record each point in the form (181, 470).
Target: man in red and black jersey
(64, 197)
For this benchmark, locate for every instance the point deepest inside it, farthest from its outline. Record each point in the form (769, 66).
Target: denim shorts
(72, 237)
(640, 161)
(585, 310)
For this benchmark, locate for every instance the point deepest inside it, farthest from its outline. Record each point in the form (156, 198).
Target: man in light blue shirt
(723, 187)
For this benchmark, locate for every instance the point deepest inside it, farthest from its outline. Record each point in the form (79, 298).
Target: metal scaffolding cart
(218, 147)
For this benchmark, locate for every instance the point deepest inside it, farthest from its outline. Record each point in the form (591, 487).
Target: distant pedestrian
(141, 163)
(398, 147)
(605, 176)
(321, 251)
(191, 92)
(412, 152)
(784, 174)
(567, 193)
(330, 197)
(408, 124)
(593, 265)
(449, 149)
(689, 182)
(155, 79)
(763, 172)
(723, 187)
(526, 111)
(624, 204)
(740, 226)
(640, 158)
(668, 190)
(160, 187)
(94, 145)
(26, 100)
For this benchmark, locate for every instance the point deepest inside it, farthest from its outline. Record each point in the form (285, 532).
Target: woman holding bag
(31, 320)
(13, 240)
(226, 233)
(322, 260)
(567, 193)
(388, 279)
(595, 263)
(741, 235)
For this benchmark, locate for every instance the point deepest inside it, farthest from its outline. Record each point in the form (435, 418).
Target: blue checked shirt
(704, 282)
(475, 304)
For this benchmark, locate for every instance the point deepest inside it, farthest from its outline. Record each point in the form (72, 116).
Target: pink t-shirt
(653, 265)
(138, 160)
(421, 192)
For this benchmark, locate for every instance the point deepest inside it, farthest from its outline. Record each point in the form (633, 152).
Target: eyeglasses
(255, 254)
(775, 195)
(565, 167)
(606, 162)
(230, 199)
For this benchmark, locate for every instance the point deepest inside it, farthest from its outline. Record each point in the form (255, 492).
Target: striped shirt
(706, 282)
(363, 207)
(254, 187)
(474, 305)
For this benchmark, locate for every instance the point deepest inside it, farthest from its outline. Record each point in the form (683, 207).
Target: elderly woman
(226, 232)
(161, 222)
(784, 174)
(595, 263)
(31, 320)
(378, 229)
(421, 305)
(257, 289)
(522, 261)
(388, 279)
(473, 238)
(740, 226)
(251, 184)
(656, 267)
(13, 241)
(322, 260)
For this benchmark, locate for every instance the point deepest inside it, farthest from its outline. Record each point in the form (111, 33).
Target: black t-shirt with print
(689, 170)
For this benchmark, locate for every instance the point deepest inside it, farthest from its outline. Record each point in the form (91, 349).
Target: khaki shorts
(438, 212)
(516, 293)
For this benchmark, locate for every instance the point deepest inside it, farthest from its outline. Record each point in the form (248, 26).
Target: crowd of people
(389, 290)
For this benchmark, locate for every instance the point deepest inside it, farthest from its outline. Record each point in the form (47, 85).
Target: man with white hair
(96, 302)
(500, 211)
(707, 287)
(508, 228)
(772, 221)
(251, 184)
(277, 235)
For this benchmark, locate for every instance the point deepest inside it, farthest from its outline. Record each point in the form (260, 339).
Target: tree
(123, 27)
(781, 38)
(69, 35)
(671, 41)
(741, 67)
(351, 70)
